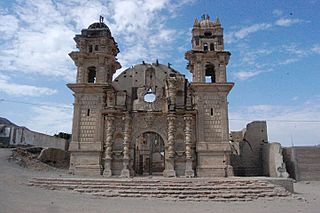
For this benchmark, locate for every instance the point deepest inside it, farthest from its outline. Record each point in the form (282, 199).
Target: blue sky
(275, 49)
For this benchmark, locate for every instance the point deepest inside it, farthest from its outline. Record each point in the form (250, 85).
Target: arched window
(90, 48)
(210, 73)
(92, 75)
(205, 47)
(211, 47)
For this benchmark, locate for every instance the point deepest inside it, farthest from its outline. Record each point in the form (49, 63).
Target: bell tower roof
(97, 29)
(96, 55)
(205, 21)
(98, 25)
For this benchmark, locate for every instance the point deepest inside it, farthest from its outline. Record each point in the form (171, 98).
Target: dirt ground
(16, 196)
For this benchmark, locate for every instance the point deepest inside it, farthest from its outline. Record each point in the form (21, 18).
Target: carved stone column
(169, 155)
(108, 146)
(172, 81)
(188, 141)
(126, 145)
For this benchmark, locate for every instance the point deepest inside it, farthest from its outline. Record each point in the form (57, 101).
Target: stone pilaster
(169, 156)
(126, 145)
(76, 119)
(188, 141)
(108, 146)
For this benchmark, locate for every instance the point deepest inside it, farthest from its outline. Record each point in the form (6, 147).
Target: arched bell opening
(210, 74)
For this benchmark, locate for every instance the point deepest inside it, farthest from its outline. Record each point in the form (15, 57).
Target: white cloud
(43, 32)
(8, 26)
(245, 32)
(293, 53)
(22, 90)
(286, 22)
(294, 49)
(252, 62)
(316, 48)
(244, 75)
(286, 124)
(51, 119)
(140, 28)
(289, 61)
(277, 12)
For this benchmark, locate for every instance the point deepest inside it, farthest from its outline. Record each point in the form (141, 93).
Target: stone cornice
(89, 88)
(212, 87)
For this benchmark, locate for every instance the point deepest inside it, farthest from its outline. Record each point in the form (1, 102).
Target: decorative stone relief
(126, 145)
(188, 140)
(170, 152)
(108, 145)
(172, 81)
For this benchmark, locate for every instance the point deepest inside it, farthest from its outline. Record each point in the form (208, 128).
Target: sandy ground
(16, 196)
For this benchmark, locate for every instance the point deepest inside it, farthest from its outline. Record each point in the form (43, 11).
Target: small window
(90, 48)
(211, 47)
(88, 112)
(96, 48)
(91, 75)
(211, 111)
(205, 47)
(197, 41)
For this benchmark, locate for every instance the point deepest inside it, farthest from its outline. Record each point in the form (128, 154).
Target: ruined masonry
(150, 120)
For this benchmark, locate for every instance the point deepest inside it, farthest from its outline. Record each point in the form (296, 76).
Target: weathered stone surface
(171, 189)
(55, 157)
(273, 163)
(303, 162)
(247, 158)
(150, 120)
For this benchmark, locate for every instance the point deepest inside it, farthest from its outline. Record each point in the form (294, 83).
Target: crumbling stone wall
(303, 162)
(248, 143)
(273, 164)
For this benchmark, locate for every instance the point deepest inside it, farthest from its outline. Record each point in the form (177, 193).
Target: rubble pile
(29, 157)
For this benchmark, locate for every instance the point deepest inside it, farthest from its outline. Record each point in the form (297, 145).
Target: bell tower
(207, 59)
(96, 63)
(207, 63)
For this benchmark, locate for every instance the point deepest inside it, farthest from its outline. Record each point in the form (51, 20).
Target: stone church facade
(150, 120)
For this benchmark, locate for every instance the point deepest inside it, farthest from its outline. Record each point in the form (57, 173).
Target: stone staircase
(196, 189)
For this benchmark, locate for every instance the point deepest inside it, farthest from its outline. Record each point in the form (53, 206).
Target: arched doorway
(149, 154)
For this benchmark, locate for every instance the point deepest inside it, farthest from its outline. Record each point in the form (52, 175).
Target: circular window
(149, 97)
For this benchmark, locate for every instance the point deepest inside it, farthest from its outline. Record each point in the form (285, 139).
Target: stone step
(158, 186)
(150, 191)
(147, 183)
(176, 189)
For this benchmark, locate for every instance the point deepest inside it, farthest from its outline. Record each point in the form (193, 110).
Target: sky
(275, 61)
